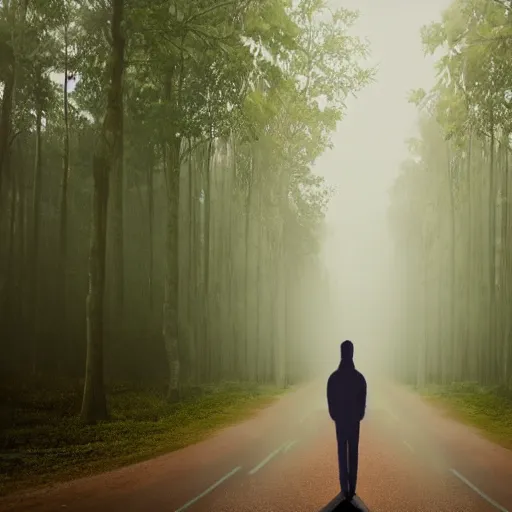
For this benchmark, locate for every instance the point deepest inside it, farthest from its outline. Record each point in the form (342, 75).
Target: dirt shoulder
(489, 410)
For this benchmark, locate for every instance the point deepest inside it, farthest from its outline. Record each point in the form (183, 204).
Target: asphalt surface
(411, 459)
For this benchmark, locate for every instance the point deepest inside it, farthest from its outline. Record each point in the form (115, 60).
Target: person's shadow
(340, 505)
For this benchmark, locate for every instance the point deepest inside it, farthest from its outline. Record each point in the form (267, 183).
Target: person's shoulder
(334, 375)
(360, 376)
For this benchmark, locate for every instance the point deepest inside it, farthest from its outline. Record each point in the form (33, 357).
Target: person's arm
(363, 396)
(330, 397)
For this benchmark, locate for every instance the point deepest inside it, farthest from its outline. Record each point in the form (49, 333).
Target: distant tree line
(450, 210)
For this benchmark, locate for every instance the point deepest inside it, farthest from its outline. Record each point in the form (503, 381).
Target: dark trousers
(348, 456)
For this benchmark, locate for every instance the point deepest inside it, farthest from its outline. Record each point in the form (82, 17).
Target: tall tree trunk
(171, 298)
(64, 200)
(183, 270)
(11, 274)
(34, 257)
(151, 215)
(492, 261)
(227, 260)
(208, 206)
(232, 255)
(451, 296)
(117, 231)
(482, 269)
(191, 285)
(171, 291)
(6, 113)
(207, 257)
(261, 283)
(280, 203)
(94, 406)
(508, 277)
(250, 280)
(471, 338)
(505, 258)
(199, 257)
(21, 250)
(10, 53)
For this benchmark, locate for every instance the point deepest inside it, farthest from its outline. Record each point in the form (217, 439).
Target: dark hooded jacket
(346, 391)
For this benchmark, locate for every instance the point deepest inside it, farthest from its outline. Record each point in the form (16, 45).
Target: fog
(368, 148)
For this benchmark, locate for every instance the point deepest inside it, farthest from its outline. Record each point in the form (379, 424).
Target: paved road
(411, 460)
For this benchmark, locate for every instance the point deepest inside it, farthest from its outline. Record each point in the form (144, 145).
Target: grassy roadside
(46, 443)
(487, 409)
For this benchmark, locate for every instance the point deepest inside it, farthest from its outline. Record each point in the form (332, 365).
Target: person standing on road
(346, 398)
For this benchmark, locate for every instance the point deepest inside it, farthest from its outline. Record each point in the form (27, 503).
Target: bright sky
(368, 148)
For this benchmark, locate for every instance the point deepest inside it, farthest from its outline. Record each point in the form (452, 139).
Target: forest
(450, 206)
(159, 217)
(162, 220)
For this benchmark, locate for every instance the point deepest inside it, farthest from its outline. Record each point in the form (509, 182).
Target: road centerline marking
(411, 449)
(478, 491)
(210, 489)
(268, 458)
(290, 445)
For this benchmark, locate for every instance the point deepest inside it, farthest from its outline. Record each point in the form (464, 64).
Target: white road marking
(210, 489)
(268, 458)
(289, 446)
(478, 491)
(409, 446)
(305, 417)
(323, 408)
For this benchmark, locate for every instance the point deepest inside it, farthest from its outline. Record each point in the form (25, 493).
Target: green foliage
(417, 96)
(488, 409)
(475, 67)
(47, 442)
